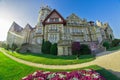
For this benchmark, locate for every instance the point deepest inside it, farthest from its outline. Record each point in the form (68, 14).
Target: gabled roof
(54, 11)
(73, 16)
(28, 27)
(15, 27)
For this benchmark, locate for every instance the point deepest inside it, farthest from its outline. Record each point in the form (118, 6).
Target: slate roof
(64, 21)
(15, 27)
(28, 27)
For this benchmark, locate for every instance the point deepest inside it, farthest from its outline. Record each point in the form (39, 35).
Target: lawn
(114, 48)
(51, 59)
(12, 70)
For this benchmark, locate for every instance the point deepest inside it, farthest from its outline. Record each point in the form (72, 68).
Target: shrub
(106, 45)
(14, 46)
(4, 45)
(46, 47)
(54, 49)
(115, 42)
(24, 44)
(76, 49)
(84, 49)
(7, 47)
(17, 49)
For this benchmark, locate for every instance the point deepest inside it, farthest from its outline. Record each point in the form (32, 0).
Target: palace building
(53, 27)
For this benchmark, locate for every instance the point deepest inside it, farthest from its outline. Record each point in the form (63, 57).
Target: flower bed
(87, 74)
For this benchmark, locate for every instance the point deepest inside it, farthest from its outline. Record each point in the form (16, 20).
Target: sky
(26, 11)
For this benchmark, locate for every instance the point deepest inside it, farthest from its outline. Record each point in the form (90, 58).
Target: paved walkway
(107, 60)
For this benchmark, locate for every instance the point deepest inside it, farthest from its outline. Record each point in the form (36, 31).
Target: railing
(76, 24)
(77, 33)
(65, 42)
(53, 30)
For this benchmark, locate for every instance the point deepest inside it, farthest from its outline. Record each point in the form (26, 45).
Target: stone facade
(51, 26)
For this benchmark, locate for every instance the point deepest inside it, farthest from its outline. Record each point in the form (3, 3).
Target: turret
(44, 11)
(98, 23)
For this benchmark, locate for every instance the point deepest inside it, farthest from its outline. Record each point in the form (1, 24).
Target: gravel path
(107, 60)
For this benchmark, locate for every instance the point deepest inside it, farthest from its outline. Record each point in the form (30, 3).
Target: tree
(115, 42)
(110, 37)
(42, 48)
(46, 47)
(76, 48)
(7, 47)
(106, 45)
(54, 49)
(84, 49)
(4, 45)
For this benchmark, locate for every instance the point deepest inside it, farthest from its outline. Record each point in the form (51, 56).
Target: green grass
(12, 70)
(51, 59)
(114, 48)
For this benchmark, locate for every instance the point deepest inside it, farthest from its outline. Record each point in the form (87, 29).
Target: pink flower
(87, 74)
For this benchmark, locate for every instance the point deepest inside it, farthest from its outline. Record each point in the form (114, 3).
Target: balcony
(77, 33)
(53, 30)
(76, 24)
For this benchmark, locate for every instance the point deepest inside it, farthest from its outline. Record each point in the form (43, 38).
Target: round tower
(44, 11)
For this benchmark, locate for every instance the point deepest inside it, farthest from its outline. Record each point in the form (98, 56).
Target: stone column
(66, 50)
(60, 50)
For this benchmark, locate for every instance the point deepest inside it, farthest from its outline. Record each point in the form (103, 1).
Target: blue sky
(26, 11)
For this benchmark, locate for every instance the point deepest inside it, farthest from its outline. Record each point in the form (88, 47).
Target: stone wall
(31, 48)
(14, 38)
